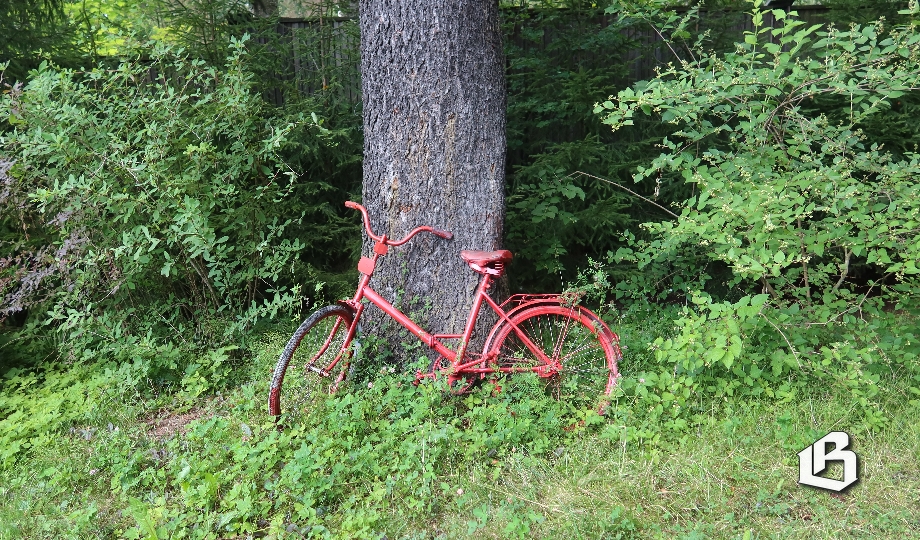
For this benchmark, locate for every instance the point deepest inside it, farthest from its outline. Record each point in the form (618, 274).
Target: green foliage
(358, 461)
(64, 399)
(102, 27)
(559, 61)
(205, 27)
(800, 219)
(328, 84)
(561, 57)
(32, 30)
(159, 187)
(413, 462)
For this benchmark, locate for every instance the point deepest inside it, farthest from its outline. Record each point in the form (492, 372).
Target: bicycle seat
(487, 262)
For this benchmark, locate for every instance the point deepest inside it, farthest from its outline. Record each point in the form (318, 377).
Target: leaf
(141, 514)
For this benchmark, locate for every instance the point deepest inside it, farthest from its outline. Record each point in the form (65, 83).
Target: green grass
(735, 476)
(409, 462)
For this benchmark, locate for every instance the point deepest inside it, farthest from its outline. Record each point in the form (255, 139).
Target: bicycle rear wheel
(582, 353)
(315, 344)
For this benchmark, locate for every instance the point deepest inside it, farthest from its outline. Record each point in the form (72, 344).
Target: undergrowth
(105, 453)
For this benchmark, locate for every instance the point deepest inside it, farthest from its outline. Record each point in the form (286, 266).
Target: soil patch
(166, 423)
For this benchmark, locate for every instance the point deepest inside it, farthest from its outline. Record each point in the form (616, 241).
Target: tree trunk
(433, 86)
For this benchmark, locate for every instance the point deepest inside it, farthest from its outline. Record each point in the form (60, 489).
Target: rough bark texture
(433, 86)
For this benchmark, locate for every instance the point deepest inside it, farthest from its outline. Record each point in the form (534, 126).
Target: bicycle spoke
(567, 321)
(581, 371)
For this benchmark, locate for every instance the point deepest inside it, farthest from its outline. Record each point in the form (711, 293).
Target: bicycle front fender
(349, 305)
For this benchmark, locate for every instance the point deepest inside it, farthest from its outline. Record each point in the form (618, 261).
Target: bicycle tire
(587, 350)
(316, 342)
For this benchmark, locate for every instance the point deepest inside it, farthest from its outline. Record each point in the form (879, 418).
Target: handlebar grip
(352, 205)
(443, 234)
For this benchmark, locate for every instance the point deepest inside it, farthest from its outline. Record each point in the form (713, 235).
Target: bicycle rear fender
(523, 302)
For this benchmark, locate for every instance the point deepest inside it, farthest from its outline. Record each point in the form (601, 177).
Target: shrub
(800, 220)
(559, 62)
(150, 197)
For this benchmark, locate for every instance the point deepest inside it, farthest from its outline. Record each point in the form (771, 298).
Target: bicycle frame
(458, 359)
(433, 341)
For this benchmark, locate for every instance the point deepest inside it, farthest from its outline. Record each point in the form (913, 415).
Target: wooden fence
(324, 53)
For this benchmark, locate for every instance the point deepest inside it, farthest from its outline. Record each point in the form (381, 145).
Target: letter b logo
(813, 460)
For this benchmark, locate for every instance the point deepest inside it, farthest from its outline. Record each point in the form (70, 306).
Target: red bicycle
(565, 345)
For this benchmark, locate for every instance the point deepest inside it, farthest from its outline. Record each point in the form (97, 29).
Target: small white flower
(641, 380)
(460, 491)
(370, 385)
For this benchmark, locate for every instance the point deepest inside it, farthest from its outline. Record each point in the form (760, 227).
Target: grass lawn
(397, 461)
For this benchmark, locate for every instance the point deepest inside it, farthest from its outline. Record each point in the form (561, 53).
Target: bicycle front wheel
(312, 348)
(579, 356)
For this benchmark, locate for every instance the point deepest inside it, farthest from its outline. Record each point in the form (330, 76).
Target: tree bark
(433, 86)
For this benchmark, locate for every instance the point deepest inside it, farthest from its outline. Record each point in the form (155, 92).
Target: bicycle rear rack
(566, 299)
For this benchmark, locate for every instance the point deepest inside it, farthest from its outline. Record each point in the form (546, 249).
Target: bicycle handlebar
(367, 220)
(367, 225)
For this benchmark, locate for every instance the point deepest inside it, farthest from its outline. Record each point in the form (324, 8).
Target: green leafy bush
(561, 56)
(802, 223)
(357, 461)
(153, 195)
